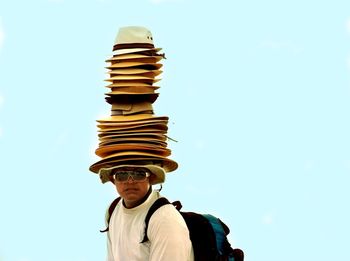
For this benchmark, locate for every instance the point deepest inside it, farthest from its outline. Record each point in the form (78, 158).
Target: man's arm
(109, 250)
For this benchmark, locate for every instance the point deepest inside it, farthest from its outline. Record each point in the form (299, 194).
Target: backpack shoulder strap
(157, 204)
(109, 213)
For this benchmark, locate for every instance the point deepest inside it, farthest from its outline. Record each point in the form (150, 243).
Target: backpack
(208, 233)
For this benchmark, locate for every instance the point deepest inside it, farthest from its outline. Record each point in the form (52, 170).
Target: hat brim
(104, 151)
(139, 118)
(132, 81)
(139, 124)
(129, 84)
(119, 77)
(129, 93)
(135, 56)
(140, 97)
(132, 90)
(131, 70)
(143, 64)
(132, 132)
(139, 141)
(126, 157)
(134, 50)
(159, 127)
(141, 136)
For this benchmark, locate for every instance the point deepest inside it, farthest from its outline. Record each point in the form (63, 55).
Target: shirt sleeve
(169, 237)
(109, 250)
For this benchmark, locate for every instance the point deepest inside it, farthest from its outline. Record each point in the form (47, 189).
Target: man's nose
(130, 179)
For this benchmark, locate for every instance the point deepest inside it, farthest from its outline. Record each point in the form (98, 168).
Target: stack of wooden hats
(133, 135)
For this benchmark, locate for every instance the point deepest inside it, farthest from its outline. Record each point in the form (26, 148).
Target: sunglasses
(137, 175)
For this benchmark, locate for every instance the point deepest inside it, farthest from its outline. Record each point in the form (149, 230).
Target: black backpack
(208, 234)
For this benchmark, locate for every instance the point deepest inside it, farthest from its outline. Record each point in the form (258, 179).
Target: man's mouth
(130, 190)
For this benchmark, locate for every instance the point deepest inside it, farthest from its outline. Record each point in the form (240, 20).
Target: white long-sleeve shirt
(167, 232)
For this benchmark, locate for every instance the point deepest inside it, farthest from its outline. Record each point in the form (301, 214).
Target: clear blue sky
(257, 93)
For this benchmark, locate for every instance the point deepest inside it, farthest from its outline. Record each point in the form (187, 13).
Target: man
(167, 231)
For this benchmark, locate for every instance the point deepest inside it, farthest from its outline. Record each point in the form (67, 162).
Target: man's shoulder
(166, 220)
(165, 211)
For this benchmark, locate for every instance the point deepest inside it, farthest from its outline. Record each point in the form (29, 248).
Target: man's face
(135, 187)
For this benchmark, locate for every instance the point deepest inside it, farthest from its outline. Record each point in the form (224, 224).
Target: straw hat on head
(133, 39)
(133, 136)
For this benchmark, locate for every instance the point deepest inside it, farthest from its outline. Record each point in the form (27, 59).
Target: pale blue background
(257, 93)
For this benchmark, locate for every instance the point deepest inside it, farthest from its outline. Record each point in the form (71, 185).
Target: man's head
(134, 181)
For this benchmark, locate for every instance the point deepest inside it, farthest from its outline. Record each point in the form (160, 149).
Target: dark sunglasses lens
(121, 176)
(139, 175)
